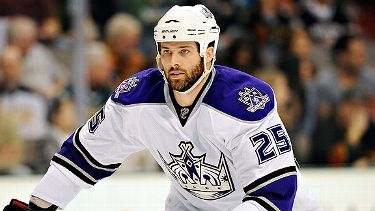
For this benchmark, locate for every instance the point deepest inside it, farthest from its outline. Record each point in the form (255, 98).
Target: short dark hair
(342, 44)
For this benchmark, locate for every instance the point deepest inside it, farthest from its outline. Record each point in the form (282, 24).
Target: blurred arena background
(61, 59)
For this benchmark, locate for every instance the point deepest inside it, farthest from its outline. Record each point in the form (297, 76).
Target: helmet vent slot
(169, 21)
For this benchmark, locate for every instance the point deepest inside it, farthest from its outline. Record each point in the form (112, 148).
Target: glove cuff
(33, 207)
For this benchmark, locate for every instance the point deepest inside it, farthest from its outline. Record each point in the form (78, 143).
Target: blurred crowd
(318, 55)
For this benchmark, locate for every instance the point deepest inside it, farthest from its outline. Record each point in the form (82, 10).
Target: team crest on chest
(203, 180)
(184, 113)
(126, 86)
(253, 98)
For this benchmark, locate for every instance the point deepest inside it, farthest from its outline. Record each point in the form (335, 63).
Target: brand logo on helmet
(207, 13)
(169, 31)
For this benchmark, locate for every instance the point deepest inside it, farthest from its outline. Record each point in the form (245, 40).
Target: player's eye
(165, 52)
(184, 51)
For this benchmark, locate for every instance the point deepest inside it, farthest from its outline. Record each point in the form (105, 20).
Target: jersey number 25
(263, 143)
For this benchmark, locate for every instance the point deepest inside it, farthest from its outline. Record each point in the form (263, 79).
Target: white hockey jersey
(230, 147)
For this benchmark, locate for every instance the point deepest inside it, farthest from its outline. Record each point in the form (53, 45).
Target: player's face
(182, 64)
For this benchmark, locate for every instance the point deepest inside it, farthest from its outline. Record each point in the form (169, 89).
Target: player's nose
(175, 60)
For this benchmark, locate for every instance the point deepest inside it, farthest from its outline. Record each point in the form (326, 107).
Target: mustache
(176, 68)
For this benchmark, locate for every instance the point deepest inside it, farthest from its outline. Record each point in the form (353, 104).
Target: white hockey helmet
(188, 23)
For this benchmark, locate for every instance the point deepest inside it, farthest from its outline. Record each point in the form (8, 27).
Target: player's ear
(210, 54)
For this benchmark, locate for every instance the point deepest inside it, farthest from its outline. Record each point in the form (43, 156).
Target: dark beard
(190, 80)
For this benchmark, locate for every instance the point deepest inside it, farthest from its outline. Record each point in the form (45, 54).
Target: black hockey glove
(16, 205)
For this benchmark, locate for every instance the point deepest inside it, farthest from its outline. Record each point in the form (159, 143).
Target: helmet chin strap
(204, 74)
(159, 67)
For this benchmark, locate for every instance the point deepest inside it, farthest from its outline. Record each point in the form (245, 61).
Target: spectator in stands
(11, 151)
(289, 105)
(99, 70)
(62, 120)
(50, 36)
(325, 21)
(367, 143)
(62, 44)
(26, 107)
(351, 121)
(42, 71)
(365, 19)
(242, 55)
(351, 75)
(99, 73)
(296, 61)
(38, 10)
(42, 12)
(271, 28)
(123, 32)
(297, 64)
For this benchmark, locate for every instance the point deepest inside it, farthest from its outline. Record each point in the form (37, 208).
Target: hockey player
(215, 131)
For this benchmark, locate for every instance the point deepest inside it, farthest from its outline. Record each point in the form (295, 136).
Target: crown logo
(201, 179)
(253, 98)
(126, 86)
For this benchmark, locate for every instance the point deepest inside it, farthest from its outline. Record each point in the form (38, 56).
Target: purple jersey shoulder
(240, 95)
(143, 87)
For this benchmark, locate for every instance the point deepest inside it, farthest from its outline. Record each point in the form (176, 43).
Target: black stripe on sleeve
(259, 201)
(73, 170)
(87, 154)
(270, 176)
